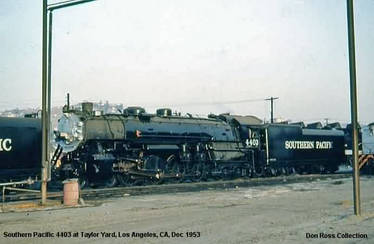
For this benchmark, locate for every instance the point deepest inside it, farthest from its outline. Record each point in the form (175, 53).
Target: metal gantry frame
(46, 85)
(46, 94)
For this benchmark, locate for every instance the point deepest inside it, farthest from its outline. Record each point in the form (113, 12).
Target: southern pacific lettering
(308, 144)
(5, 144)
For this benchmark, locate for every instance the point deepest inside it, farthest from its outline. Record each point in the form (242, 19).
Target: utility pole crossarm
(271, 99)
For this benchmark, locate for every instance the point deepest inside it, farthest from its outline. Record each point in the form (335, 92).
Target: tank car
(20, 148)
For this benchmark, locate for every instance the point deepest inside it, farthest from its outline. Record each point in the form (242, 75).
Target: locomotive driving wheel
(111, 181)
(227, 173)
(172, 165)
(199, 171)
(238, 172)
(124, 179)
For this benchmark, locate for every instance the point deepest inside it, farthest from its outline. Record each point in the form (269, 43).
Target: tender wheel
(291, 171)
(332, 168)
(282, 171)
(271, 171)
(258, 172)
(322, 169)
(300, 170)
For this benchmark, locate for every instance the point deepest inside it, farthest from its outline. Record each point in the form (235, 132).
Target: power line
(210, 103)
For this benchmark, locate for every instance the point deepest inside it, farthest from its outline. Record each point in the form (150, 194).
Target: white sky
(187, 53)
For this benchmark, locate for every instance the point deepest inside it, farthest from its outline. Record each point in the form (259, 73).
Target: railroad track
(92, 194)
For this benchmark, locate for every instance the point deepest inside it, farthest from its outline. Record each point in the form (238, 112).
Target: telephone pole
(271, 99)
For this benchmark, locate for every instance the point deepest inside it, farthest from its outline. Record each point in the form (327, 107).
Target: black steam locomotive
(137, 147)
(20, 148)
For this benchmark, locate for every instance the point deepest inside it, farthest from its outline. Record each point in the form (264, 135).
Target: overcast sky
(194, 56)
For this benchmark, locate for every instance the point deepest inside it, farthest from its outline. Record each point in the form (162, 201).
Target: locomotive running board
(157, 175)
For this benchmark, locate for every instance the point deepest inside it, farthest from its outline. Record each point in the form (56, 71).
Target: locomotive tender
(20, 148)
(137, 147)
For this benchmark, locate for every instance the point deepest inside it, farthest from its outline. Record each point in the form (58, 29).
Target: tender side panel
(20, 147)
(289, 143)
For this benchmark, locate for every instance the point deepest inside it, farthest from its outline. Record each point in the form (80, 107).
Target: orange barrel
(71, 192)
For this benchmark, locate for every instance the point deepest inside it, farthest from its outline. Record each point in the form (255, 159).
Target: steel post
(49, 90)
(44, 163)
(354, 116)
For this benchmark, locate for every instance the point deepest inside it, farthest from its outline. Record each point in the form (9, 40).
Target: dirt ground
(314, 212)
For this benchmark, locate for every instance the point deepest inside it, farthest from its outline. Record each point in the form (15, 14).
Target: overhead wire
(208, 103)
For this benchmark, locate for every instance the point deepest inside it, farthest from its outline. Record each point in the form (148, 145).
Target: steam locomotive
(136, 147)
